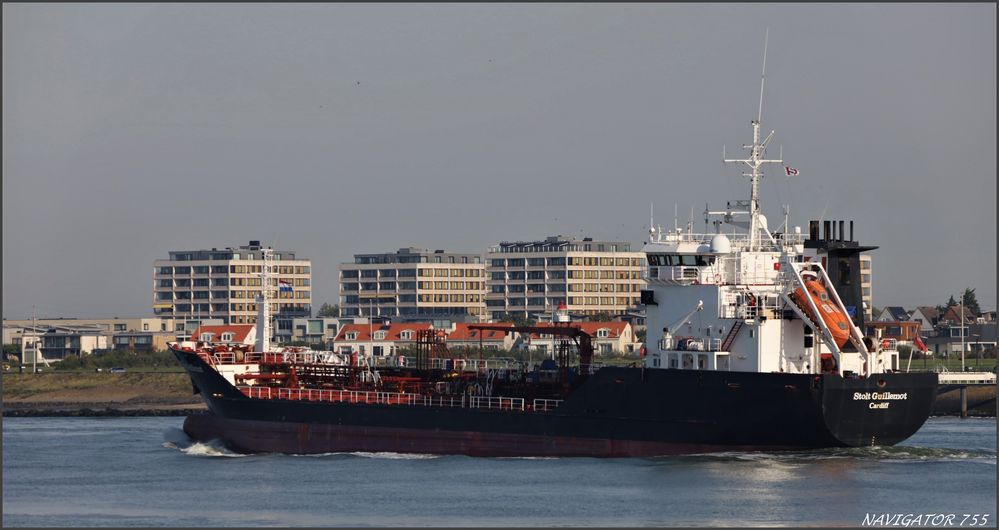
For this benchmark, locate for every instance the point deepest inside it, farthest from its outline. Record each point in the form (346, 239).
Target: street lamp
(977, 354)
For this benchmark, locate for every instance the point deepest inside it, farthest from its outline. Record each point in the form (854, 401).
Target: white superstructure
(723, 301)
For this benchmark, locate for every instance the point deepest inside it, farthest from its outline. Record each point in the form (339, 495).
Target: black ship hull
(617, 412)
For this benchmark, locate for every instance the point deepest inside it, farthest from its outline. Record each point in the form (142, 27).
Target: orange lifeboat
(837, 321)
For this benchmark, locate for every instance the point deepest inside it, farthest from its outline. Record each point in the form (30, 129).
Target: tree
(11, 352)
(518, 319)
(602, 317)
(970, 302)
(950, 303)
(327, 310)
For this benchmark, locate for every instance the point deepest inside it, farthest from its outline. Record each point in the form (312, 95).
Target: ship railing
(467, 365)
(234, 358)
(725, 271)
(501, 403)
(686, 343)
(545, 405)
(889, 344)
(253, 357)
(736, 240)
(738, 306)
(308, 357)
(383, 398)
(966, 378)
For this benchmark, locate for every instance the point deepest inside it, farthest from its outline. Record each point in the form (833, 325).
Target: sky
(130, 130)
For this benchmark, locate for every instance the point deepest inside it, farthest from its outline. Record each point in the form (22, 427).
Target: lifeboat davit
(837, 321)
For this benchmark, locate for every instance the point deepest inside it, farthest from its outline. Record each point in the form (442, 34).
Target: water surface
(145, 472)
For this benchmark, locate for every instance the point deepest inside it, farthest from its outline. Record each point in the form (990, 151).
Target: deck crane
(667, 331)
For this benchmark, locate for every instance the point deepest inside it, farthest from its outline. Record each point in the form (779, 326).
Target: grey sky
(328, 129)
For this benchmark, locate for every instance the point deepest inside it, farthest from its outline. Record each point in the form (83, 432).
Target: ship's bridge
(691, 259)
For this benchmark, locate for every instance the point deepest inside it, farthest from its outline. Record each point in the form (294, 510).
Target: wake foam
(178, 439)
(894, 454)
(395, 456)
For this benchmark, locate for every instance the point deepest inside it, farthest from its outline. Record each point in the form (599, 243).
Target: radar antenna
(652, 222)
(763, 76)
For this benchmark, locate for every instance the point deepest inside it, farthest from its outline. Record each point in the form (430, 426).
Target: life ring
(885, 344)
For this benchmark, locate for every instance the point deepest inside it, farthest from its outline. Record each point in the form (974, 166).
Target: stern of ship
(883, 409)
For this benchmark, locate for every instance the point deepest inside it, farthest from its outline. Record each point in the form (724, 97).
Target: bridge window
(687, 260)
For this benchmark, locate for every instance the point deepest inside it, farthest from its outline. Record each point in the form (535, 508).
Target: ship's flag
(791, 171)
(919, 344)
(284, 286)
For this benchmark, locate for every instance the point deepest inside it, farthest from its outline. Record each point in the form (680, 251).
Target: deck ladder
(730, 338)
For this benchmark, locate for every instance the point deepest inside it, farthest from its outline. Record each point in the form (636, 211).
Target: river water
(145, 472)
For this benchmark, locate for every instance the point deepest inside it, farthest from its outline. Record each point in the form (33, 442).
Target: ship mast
(757, 157)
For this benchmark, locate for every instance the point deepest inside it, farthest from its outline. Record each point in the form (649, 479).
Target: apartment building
(865, 285)
(590, 277)
(224, 284)
(12, 327)
(317, 332)
(414, 284)
(58, 342)
(142, 341)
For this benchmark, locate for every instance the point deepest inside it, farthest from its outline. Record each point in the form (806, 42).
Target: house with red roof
(232, 334)
(953, 315)
(377, 339)
(608, 338)
(461, 336)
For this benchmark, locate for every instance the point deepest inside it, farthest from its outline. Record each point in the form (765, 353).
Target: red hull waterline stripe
(251, 436)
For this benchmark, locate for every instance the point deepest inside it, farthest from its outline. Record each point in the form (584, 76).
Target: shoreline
(98, 409)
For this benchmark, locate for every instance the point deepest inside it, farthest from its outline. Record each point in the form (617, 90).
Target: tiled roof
(929, 312)
(954, 315)
(614, 329)
(240, 332)
(392, 331)
(462, 332)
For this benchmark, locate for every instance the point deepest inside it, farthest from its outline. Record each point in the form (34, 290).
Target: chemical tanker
(775, 359)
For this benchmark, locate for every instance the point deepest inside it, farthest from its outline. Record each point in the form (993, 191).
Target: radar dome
(720, 244)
